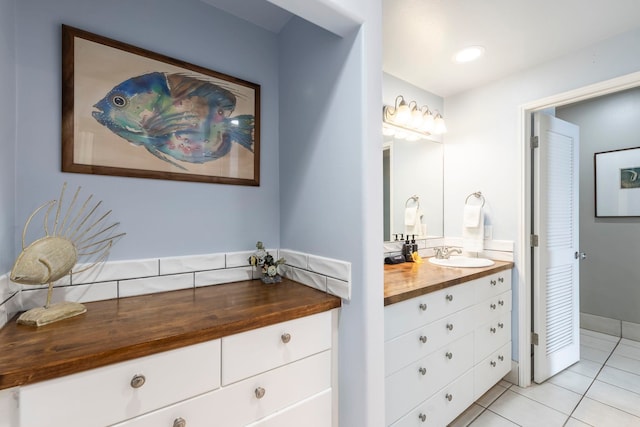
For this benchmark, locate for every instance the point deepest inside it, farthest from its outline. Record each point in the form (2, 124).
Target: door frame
(523, 255)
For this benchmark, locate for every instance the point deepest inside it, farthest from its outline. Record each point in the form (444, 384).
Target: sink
(462, 261)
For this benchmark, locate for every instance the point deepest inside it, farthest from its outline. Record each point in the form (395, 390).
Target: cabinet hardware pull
(501, 302)
(423, 339)
(501, 358)
(138, 381)
(449, 355)
(493, 306)
(501, 279)
(493, 363)
(285, 338)
(260, 392)
(449, 297)
(179, 422)
(422, 417)
(493, 330)
(423, 371)
(423, 307)
(493, 282)
(449, 397)
(450, 326)
(501, 325)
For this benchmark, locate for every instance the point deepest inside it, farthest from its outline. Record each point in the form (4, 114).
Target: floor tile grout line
(593, 381)
(503, 417)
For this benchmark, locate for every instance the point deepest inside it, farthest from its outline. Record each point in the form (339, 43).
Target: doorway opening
(524, 257)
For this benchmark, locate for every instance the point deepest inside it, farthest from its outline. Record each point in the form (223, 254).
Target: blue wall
(161, 218)
(7, 134)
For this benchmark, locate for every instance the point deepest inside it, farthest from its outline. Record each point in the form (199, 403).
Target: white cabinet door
(312, 412)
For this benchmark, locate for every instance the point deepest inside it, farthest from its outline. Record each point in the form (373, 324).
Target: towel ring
(416, 199)
(477, 195)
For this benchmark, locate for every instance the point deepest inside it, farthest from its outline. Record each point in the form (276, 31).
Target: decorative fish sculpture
(78, 233)
(175, 115)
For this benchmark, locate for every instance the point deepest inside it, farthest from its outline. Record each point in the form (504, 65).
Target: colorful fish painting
(175, 116)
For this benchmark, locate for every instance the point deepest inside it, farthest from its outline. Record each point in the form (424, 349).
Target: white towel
(473, 236)
(410, 216)
(472, 215)
(413, 221)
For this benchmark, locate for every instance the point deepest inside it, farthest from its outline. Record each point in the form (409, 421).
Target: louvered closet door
(556, 304)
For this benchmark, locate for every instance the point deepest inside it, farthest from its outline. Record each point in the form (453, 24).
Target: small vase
(271, 279)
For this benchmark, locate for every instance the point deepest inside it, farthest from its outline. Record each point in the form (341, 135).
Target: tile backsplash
(119, 279)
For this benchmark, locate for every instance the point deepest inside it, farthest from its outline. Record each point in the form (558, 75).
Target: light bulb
(428, 125)
(439, 126)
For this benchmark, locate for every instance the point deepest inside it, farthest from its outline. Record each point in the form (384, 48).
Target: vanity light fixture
(407, 121)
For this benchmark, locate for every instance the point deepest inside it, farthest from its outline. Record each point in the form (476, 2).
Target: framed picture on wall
(617, 183)
(127, 111)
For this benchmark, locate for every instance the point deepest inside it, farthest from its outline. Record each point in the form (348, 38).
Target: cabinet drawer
(490, 370)
(239, 405)
(492, 335)
(492, 285)
(404, 316)
(259, 350)
(414, 345)
(313, 412)
(416, 382)
(106, 395)
(443, 406)
(493, 306)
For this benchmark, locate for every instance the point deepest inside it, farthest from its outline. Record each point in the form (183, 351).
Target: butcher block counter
(118, 330)
(408, 280)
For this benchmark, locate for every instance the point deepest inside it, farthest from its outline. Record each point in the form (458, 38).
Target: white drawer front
(490, 370)
(407, 348)
(443, 406)
(492, 285)
(408, 387)
(404, 316)
(105, 395)
(493, 306)
(312, 412)
(492, 335)
(259, 350)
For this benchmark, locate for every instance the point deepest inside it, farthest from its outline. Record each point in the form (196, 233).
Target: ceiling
(421, 36)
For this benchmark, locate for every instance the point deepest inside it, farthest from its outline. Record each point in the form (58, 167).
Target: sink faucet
(445, 252)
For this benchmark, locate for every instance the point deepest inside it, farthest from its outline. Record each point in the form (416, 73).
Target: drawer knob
(501, 358)
(493, 330)
(423, 339)
(179, 422)
(422, 417)
(423, 307)
(285, 338)
(260, 392)
(493, 282)
(138, 381)
(501, 302)
(493, 306)
(501, 279)
(450, 326)
(500, 325)
(449, 397)
(493, 363)
(449, 297)
(423, 371)
(449, 355)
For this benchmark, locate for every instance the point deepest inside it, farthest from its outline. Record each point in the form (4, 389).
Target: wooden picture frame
(617, 183)
(130, 112)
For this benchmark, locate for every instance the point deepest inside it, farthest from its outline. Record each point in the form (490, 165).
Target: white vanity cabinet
(444, 349)
(276, 375)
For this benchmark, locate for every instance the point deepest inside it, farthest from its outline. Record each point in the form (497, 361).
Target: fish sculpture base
(41, 316)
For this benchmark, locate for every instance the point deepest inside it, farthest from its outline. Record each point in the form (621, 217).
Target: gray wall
(610, 276)
(7, 135)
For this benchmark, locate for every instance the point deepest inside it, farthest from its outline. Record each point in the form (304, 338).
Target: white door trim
(523, 254)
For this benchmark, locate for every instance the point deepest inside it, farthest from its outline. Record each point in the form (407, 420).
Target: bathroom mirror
(412, 168)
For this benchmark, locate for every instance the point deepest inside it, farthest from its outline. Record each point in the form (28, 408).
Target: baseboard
(609, 326)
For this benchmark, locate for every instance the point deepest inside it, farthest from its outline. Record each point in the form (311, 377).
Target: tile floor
(602, 390)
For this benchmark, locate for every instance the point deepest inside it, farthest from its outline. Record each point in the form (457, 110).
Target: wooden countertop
(121, 329)
(408, 280)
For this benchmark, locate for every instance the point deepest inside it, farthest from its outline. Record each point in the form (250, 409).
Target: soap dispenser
(407, 250)
(414, 245)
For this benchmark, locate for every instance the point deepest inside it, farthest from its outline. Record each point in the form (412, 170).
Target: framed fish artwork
(617, 183)
(127, 111)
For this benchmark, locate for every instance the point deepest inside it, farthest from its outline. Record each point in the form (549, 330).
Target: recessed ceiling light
(468, 54)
